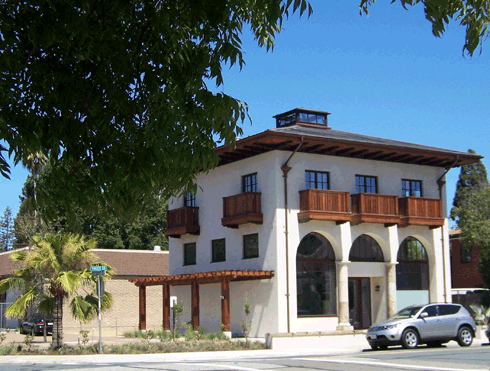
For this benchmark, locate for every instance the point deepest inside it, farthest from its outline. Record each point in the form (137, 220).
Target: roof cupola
(302, 116)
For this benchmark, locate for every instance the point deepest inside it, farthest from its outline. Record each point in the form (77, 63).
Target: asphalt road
(448, 358)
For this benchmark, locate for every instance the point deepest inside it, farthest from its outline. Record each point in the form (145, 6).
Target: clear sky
(384, 75)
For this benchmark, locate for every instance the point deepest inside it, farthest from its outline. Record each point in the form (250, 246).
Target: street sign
(98, 270)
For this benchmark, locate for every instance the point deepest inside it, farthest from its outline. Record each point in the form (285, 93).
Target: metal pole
(100, 317)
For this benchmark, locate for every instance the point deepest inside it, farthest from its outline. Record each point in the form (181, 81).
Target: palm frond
(46, 305)
(18, 256)
(82, 310)
(70, 281)
(19, 307)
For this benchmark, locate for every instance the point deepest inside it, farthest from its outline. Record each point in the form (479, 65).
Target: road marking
(224, 366)
(388, 365)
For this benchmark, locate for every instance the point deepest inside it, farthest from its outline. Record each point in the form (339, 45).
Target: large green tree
(472, 178)
(7, 235)
(143, 231)
(116, 92)
(55, 269)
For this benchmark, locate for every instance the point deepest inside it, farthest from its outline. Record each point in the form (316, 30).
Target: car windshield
(407, 312)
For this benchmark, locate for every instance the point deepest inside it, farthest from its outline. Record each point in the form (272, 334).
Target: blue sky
(384, 75)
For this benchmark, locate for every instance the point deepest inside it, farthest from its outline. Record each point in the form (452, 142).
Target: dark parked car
(432, 324)
(35, 325)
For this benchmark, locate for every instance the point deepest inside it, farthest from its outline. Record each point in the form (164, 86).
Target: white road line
(224, 366)
(388, 365)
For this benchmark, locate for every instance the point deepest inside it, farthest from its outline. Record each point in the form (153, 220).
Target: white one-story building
(322, 231)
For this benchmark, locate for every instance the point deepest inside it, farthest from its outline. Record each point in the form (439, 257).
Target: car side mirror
(424, 314)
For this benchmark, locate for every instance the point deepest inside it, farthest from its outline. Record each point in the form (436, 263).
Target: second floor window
(366, 184)
(190, 253)
(218, 253)
(190, 199)
(411, 188)
(251, 246)
(316, 180)
(249, 183)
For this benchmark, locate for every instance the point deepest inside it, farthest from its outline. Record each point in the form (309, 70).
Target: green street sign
(98, 270)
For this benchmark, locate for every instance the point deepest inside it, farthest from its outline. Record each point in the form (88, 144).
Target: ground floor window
(315, 277)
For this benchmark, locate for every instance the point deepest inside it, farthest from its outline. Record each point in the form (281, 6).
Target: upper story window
(251, 246)
(411, 188)
(466, 253)
(249, 183)
(218, 253)
(190, 199)
(316, 180)
(366, 184)
(190, 253)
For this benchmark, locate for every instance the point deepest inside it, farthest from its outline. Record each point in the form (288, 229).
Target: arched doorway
(367, 250)
(315, 277)
(412, 274)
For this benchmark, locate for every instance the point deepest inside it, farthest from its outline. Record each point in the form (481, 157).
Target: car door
(428, 326)
(448, 320)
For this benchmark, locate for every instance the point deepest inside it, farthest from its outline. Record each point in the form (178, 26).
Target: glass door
(360, 302)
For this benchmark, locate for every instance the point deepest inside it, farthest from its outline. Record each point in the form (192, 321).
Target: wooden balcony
(319, 204)
(182, 221)
(421, 211)
(374, 208)
(242, 209)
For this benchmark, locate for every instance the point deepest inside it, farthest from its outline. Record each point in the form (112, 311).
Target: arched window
(315, 276)
(412, 270)
(365, 249)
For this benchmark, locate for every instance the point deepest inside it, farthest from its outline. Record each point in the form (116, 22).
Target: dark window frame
(245, 249)
(252, 186)
(190, 261)
(412, 270)
(366, 249)
(216, 255)
(318, 179)
(190, 199)
(409, 188)
(365, 187)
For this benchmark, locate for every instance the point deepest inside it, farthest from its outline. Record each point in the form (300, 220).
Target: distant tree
(112, 231)
(56, 269)
(7, 235)
(472, 178)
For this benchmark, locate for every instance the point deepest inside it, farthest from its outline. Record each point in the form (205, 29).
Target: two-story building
(320, 229)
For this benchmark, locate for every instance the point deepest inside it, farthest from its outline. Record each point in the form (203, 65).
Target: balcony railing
(421, 211)
(319, 204)
(242, 209)
(374, 208)
(182, 221)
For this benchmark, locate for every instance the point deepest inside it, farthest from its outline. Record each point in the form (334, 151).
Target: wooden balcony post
(142, 308)
(166, 306)
(195, 303)
(225, 303)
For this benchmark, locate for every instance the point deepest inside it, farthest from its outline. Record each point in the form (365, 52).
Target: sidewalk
(340, 349)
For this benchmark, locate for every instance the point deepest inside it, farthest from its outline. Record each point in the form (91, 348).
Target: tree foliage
(115, 92)
(57, 267)
(143, 232)
(472, 178)
(473, 15)
(7, 236)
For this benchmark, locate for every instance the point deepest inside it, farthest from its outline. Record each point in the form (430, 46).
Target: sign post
(99, 271)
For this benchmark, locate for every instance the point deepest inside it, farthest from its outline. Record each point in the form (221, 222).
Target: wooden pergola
(194, 280)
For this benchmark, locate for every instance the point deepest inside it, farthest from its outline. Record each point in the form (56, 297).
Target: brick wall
(125, 298)
(464, 275)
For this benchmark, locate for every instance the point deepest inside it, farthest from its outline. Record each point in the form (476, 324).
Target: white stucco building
(323, 230)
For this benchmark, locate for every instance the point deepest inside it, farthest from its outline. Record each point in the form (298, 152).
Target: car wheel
(465, 336)
(374, 347)
(383, 347)
(410, 339)
(434, 344)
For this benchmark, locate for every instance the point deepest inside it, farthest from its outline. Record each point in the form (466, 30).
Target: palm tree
(57, 267)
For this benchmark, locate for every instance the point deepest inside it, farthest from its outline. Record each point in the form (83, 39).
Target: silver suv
(432, 324)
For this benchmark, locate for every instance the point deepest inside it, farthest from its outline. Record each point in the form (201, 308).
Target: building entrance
(360, 302)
